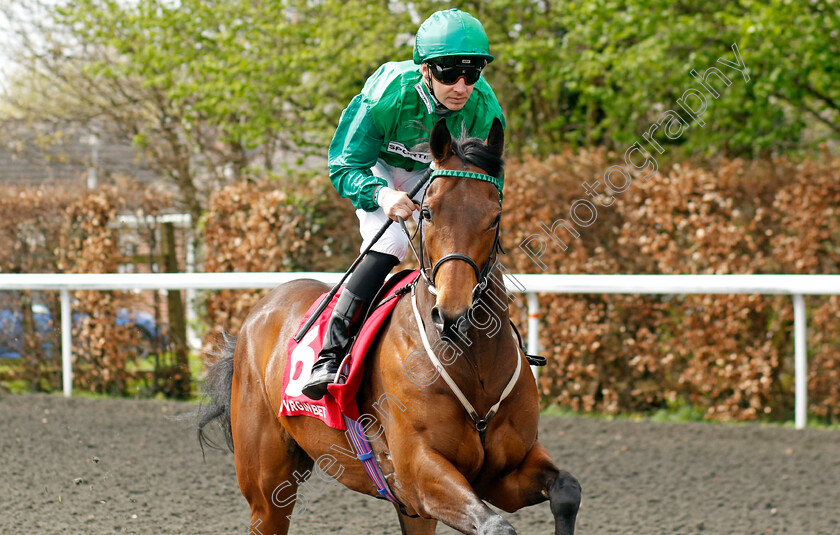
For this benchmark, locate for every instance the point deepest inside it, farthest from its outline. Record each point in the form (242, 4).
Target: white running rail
(796, 286)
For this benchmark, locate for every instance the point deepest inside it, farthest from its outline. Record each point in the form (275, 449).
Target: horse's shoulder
(401, 320)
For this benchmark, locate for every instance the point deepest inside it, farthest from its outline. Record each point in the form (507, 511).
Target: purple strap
(365, 454)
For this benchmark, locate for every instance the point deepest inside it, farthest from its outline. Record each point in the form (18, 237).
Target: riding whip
(326, 300)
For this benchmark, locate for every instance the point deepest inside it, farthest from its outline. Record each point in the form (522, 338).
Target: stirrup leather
(533, 360)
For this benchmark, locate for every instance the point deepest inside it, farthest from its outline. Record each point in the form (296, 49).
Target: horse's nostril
(437, 319)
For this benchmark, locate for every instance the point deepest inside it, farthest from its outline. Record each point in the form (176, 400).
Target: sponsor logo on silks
(301, 406)
(424, 97)
(402, 150)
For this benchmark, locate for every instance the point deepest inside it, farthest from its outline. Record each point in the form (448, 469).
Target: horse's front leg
(438, 490)
(416, 526)
(534, 481)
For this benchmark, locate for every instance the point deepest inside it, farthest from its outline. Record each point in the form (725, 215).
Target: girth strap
(365, 454)
(480, 423)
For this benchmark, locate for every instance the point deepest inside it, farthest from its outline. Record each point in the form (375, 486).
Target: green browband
(498, 182)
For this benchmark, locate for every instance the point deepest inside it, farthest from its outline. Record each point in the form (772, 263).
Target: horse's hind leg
(268, 462)
(536, 479)
(416, 526)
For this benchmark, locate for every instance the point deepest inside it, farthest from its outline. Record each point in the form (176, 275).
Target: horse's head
(461, 215)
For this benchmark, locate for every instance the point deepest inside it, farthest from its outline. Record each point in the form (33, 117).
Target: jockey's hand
(396, 203)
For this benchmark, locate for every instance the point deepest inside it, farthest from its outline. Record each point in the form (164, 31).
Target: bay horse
(442, 463)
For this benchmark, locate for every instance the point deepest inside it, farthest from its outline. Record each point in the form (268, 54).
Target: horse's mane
(473, 150)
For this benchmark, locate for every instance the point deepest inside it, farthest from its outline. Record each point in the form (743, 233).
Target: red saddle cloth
(341, 398)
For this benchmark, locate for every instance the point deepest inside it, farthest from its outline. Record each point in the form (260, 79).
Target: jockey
(372, 161)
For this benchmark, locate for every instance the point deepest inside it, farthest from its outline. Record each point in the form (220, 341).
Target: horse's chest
(504, 448)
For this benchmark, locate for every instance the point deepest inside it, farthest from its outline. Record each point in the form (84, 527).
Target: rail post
(534, 330)
(66, 343)
(800, 341)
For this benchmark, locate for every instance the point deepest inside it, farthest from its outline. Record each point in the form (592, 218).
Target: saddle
(342, 395)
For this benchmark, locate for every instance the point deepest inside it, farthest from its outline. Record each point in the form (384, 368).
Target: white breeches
(394, 241)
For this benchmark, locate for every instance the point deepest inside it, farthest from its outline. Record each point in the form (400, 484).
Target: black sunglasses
(450, 75)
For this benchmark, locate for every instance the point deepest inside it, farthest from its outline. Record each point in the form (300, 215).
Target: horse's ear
(496, 137)
(440, 141)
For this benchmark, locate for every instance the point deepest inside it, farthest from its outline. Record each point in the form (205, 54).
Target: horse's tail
(217, 386)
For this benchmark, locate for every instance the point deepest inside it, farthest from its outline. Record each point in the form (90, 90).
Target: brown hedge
(729, 356)
(297, 225)
(67, 229)
(31, 230)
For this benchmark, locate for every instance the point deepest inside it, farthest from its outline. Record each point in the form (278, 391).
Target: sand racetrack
(97, 466)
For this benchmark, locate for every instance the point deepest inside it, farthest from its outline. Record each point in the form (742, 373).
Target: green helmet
(451, 33)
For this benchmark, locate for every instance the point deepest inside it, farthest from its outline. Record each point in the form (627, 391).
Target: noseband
(481, 274)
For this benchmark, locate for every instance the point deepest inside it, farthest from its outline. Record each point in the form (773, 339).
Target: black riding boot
(336, 340)
(361, 288)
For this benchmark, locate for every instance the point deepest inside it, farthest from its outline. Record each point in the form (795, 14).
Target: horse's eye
(426, 214)
(496, 221)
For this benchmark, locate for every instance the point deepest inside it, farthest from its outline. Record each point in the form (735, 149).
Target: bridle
(483, 278)
(482, 275)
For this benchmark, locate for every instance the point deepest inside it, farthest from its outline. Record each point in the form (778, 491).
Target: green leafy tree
(599, 72)
(207, 89)
(210, 89)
